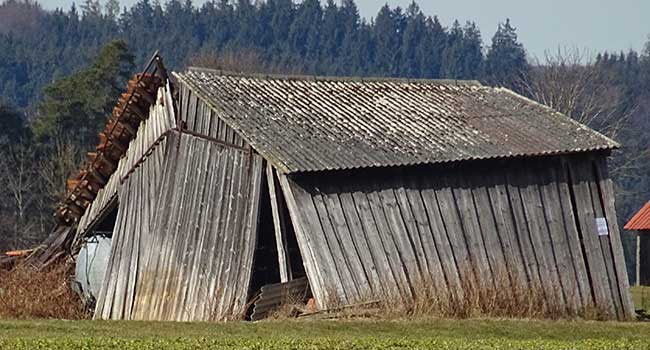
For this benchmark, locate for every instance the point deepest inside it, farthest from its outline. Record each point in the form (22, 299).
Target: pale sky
(593, 25)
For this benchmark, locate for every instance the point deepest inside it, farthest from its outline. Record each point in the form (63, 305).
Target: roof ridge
(334, 78)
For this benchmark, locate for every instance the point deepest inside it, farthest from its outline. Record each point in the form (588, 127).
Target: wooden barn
(366, 188)
(640, 223)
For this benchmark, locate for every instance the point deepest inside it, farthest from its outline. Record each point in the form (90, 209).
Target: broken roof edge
(306, 77)
(509, 157)
(613, 143)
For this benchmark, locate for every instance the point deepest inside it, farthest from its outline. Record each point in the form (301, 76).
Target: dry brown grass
(501, 297)
(29, 293)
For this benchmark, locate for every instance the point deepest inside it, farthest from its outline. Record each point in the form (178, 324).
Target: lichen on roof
(304, 123)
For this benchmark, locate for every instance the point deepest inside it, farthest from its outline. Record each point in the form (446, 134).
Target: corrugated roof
(319, 123)
(641, 220)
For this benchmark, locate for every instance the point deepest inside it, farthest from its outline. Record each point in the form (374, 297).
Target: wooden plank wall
(137, 203)
(183, 251)
(161, 119)
(383, 233)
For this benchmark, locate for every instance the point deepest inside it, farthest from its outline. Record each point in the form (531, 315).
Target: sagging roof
(641, 220)
(318, 123)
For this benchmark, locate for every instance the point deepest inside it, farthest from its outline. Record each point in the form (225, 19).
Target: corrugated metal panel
(161, 119)
(313, 124)
(184, 240)
(273, 296)
(641, 220)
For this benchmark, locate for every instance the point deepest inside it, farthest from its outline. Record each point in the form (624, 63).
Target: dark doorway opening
(106, 223)
(266, 269)
(266, 261)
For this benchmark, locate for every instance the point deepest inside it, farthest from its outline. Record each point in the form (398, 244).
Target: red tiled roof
(640, 220)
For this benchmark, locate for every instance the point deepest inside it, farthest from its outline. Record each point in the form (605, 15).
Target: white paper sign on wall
(601, 226)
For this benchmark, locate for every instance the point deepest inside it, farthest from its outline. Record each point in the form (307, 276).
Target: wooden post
(638, 258)
(280, 229)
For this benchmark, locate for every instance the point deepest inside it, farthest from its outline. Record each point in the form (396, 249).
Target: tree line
(314, 38)
(61, 72)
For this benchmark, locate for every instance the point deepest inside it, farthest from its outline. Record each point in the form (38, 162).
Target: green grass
(641, 297)
(422, 334)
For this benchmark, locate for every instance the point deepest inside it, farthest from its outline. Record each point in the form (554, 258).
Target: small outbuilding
(367, 188)
(640, 223)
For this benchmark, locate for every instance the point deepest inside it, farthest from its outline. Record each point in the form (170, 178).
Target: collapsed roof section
(131, 110)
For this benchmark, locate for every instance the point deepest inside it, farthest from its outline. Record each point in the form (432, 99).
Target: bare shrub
(27, 293)
(243, 61)
(292, 305)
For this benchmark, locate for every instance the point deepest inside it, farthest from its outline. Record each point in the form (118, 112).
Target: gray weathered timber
(162, 265)
(606, 193)
(529, 222)
(279, 227)
(580, 177)
(161, 119)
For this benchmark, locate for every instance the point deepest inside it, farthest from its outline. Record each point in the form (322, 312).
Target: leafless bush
(243, 61)
(569, 82)
(27, 293)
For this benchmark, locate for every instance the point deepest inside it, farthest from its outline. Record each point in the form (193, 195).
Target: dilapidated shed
(368, 188)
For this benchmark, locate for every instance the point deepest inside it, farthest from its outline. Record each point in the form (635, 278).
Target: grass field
(422, 334)
(641, 296)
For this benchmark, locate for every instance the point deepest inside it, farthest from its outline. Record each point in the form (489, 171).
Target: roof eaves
(613, 144)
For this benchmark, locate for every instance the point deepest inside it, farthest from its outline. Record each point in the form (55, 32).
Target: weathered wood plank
(604, 241)
(607, 198)
(361, 240)
(323, 251)
(441, 263)
(352, 247)
(551, 204)
(591, 245)
(522, 229)
(280, 231)
(439, 202)
(540, 236)
(506, 229)
(387, 240)
(388, 280)
(304, 243)
(402, 237)
(488, 229)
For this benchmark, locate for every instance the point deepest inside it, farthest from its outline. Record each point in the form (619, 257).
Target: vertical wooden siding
(161, 119)
(382, 234)
(183, 246)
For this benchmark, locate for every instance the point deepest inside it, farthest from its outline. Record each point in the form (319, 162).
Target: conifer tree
(506, 59)
(76, 107)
